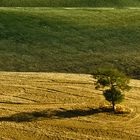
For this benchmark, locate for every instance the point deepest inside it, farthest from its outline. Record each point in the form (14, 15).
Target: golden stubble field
(41, 106)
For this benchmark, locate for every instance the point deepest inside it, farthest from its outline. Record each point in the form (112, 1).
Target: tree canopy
(115, 82)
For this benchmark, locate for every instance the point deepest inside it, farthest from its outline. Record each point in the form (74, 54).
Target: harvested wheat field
(41, 106)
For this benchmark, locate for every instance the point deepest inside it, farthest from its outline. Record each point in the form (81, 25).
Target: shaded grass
(69, 3)
(58, 114)
(75, 41)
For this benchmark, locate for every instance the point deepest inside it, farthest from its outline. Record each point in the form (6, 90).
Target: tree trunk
(113, 106)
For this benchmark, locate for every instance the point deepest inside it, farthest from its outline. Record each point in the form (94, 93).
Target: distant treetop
(70, 3)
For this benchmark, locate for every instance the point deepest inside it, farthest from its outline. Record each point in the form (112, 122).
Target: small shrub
(122, 109)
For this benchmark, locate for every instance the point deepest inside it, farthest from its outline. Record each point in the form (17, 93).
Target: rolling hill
(44, 106)
(69, 40)
(70, 3)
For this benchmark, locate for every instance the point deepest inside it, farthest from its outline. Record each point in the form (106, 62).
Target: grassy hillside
(71, 3)
(33, 106)
(69, 40)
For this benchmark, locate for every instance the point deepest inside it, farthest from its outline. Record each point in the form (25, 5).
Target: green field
(52, 106)
(69, 40)
(71, 3)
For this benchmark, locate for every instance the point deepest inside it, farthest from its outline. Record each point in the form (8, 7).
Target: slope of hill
(43, 106)
(69, 40)
(71, 3)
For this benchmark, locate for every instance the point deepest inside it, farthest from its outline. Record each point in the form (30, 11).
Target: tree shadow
(53, 114)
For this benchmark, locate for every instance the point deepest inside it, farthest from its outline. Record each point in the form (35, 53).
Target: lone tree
(113, 84)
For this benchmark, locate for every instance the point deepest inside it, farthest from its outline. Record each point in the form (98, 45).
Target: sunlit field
(44, 106)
